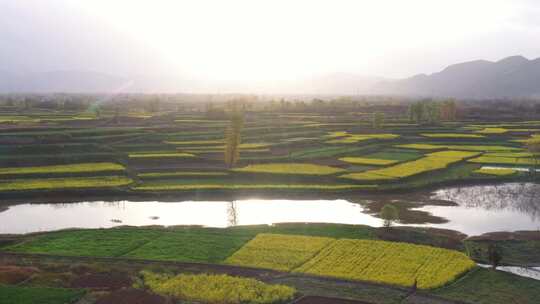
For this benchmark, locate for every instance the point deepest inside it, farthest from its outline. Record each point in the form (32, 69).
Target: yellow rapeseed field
(354, 138)
(279, 252)
(432, 161)
(217, 289)
(290, 168)
(368, 161)
(64, 183)
(496, 171)
(70, 168)
(388, 262)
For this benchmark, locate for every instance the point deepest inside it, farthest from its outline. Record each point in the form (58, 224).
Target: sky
(253, 40)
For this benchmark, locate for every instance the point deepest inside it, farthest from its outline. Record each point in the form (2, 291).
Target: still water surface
(479, 209)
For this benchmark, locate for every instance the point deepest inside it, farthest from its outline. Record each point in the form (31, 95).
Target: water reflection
(521, 197)
(481, 209)
(43, 217)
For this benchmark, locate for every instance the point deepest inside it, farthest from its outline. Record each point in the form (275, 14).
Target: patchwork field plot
(207, 288)
(432, 161)
(388, 262)
(279, 252)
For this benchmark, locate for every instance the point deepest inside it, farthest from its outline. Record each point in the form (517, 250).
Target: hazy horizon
(259, 41)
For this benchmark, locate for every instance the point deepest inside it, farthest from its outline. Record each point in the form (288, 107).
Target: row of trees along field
(432, 112)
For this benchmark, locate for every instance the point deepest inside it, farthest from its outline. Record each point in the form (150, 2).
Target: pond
(43, 217)
(476, 210)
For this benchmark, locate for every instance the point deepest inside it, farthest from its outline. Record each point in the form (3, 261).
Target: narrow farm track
(306, 284)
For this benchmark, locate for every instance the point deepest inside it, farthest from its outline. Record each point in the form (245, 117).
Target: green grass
(484, 286)
(38, 295)
(64, 183)
(290, 168)
(71, 168)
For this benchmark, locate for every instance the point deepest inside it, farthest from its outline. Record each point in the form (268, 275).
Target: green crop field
(35, 295)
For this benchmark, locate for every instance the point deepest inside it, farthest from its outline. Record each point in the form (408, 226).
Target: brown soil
(107, 281)
(15, 274)
(131, 296)
(508, 236)
(325, 300)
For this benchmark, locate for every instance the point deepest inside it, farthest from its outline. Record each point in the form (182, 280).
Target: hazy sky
(263, 40)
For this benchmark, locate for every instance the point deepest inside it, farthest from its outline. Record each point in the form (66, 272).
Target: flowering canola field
(279, 252)
(222, 288)
(388, 262)
(432, 161)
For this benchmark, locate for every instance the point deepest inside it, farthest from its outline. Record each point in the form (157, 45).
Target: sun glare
(279, 40)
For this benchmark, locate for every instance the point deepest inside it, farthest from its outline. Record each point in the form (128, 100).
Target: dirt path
(305, 284)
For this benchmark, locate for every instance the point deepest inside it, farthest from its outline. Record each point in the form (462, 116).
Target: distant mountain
(510, 77)
(514, 76)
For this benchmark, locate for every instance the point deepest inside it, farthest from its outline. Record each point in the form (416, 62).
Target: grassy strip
(64, 183)
(71, 168)
(173, 187)
(161, 155)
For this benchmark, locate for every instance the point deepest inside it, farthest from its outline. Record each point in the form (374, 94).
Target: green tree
(390, 214)
(232, 137)
(378, 120)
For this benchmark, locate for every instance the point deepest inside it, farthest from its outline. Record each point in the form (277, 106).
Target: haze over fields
(456, 48)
